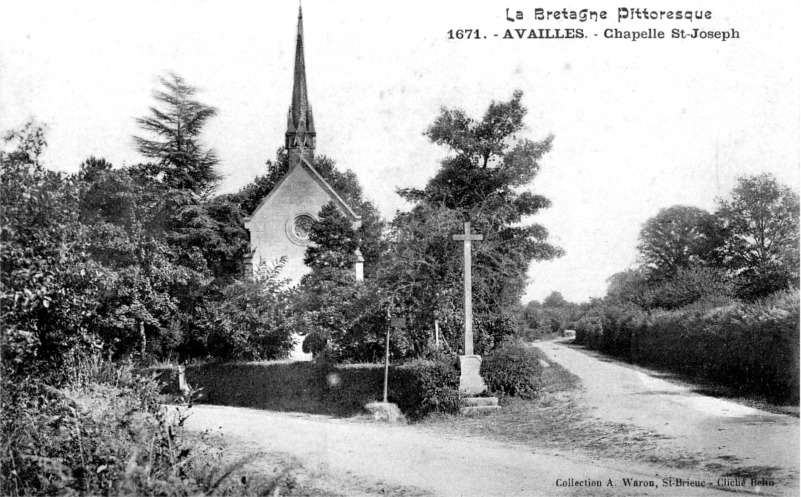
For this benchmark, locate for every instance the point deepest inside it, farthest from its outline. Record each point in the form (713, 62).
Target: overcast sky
(638, 125)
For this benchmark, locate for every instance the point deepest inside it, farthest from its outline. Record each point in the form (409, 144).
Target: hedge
(753, 347)
(418, 388)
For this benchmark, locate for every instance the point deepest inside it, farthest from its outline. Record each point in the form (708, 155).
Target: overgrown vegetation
(105, 432)
(137, 263)
(716, 295)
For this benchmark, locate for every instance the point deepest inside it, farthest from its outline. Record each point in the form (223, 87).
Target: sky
(638, 125)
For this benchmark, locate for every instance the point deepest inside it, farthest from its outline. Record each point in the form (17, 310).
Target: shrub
(421, 387)
(512, 370)
(92, 439)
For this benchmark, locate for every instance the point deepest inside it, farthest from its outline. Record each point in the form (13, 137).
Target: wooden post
(393, 323)
(386, 367)
(436, 333)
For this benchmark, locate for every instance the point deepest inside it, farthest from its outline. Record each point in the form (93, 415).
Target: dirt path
(406, 457)
(761, 443)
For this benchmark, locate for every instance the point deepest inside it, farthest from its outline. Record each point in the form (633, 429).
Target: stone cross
(467, 237)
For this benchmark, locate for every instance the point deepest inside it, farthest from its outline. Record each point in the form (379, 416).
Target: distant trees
(761, 222)
(554, 300)
(679, 237)
(747, 249)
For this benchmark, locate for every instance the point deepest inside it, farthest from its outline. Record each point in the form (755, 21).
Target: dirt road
(423, 462)
(764, 444)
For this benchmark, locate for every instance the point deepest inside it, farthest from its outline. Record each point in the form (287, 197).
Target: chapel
(280, 225)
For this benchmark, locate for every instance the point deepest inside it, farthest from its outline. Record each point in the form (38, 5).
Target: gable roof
(318, 178)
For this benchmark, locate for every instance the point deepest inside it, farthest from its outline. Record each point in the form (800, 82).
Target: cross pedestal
(470, 380)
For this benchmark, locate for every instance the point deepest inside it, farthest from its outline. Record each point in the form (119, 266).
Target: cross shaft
(467, 238)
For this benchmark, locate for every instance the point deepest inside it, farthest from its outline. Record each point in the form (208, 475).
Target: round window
(299, 227)
(302, 227)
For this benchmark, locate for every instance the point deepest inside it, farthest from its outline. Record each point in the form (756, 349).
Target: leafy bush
(251, 321)
(689, 285)
(512, 370)
(421, 387)
(589, 330)
(107, 438)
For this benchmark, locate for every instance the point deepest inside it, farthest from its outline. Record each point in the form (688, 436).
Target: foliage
(537, 321)
(689, 285)
(252, 320)
(49, 285)
(554, 299)
(421, 387)
(679, 237)
(343, 317)
(334, 241)
(628, 287)
(751, 347)
(109, 436)
(762, 225)
(182, 162)
(138, 301)
(512, 370)
(482, 183)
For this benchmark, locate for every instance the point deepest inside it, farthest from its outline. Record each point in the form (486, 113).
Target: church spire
(300, 134)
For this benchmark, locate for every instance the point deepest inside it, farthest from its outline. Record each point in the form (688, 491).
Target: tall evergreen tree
(182, 162)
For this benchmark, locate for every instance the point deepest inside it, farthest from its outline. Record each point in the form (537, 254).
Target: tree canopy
(182, 162)
(678, 237)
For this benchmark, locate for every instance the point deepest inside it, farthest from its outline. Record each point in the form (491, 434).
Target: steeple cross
(467, 238)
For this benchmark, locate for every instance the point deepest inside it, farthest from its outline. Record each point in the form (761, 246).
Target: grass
(557, 420)
(252, 472)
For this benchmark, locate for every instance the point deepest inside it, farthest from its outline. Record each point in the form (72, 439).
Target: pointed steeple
(300, 134)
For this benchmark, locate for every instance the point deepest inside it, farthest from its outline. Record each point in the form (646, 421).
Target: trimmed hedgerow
(512, 370)
(322, 387)
(751, 347)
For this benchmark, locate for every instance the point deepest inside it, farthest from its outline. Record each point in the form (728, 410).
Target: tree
(252, 320)
(334, 241)
(48, 285)
(679, 237)
(138, 304)
(337, 313)
(182, 162)
(554, 300)
(628, 287)
(483, 183)
(687, 286)
(762, 226)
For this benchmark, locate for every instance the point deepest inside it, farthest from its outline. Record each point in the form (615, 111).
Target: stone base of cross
(470, 380)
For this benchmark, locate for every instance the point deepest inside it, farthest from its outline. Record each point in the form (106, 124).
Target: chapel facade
(280, 225)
